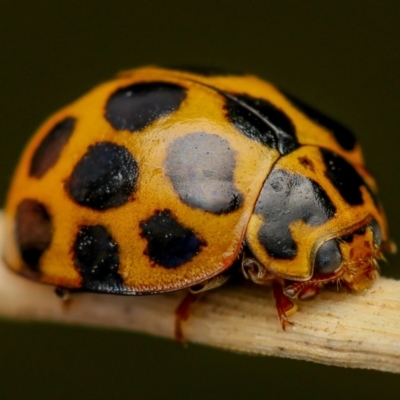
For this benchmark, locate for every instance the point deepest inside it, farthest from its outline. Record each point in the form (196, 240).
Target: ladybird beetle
(165, 179)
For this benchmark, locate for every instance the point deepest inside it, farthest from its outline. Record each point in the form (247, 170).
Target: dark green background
(342, 56)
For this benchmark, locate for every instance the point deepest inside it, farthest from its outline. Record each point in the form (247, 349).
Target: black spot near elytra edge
(344, 177)
(201, 166)
(342, 134)
(105, 177)
(136, 106)
(204, 71)
(169, 243)
(96, 257)
(261, 121)
(285, 198)
(34, 232)
(49, 149)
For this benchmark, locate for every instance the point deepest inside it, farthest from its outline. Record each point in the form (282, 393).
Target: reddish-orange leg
(308, 289)
(182, 314)
(283, 304)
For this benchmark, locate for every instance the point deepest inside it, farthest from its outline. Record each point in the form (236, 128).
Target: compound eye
(376, 231)
(329, 258)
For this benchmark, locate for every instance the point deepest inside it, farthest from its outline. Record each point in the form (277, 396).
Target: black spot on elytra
(201, 167)
(261, 121)
(105, 177)
(97, 260)
(204, 71)
(137, 106)
(169, 243)
(34, 232)
(344, 177)
(284, 199)
(342, 134)
(49, 149)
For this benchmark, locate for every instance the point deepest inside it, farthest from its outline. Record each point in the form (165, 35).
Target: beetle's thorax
(310, 201)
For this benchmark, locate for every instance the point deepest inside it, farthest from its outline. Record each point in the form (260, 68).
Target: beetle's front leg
(308, 289)
(256, 272)
(284, 305)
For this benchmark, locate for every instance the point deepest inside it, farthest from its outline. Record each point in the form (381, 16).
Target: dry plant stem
(347, 330)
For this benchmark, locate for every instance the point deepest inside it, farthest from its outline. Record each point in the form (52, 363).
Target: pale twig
(341, 329)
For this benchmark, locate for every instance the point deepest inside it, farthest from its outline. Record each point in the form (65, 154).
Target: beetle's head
(352, 258)
(318, 218)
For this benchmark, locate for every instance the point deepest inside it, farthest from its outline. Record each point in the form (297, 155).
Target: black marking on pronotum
(105, 177)
(96, 257)
(345, 178)
(136, 106)
(34, 232)
(201, 168)
(261, 121)
(169, 243)
(49, 149)
(342, 134)
(285, 198)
